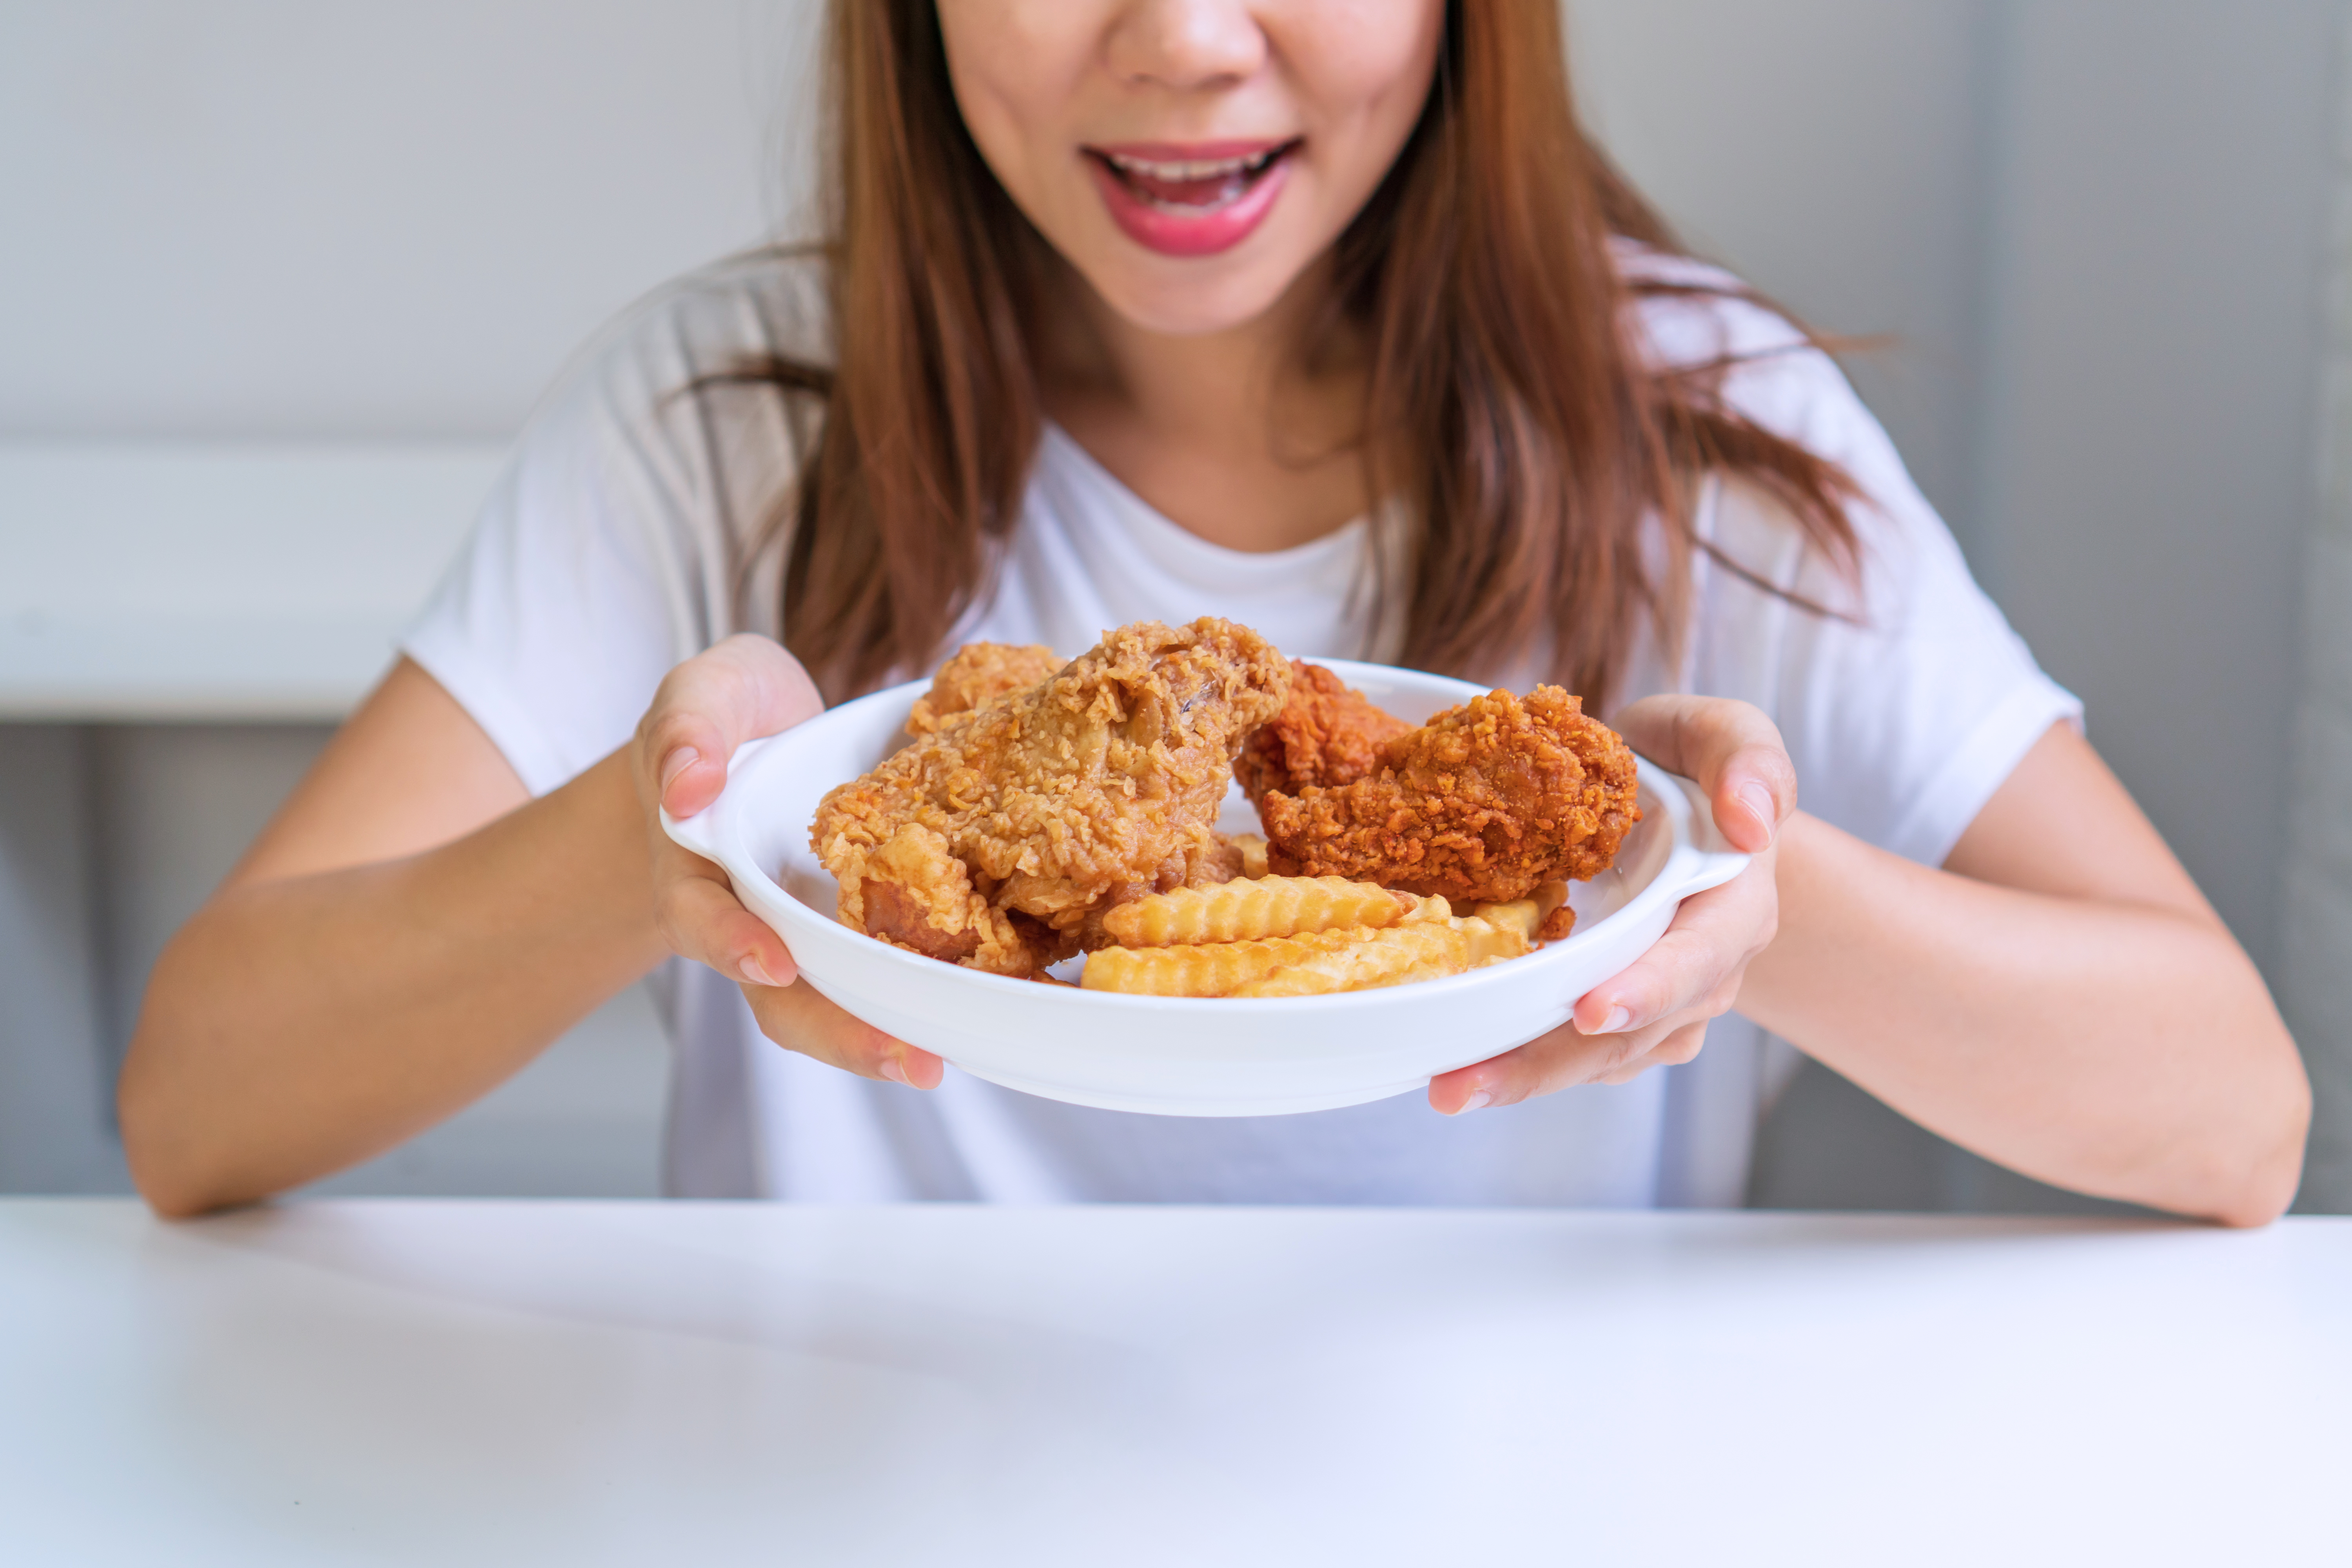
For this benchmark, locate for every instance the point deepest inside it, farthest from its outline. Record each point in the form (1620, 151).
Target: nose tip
(1187, 44)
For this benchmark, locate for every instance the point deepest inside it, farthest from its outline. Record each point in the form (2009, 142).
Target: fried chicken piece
(1481, 805)
(998, 839)
(1328, 734)
(979, 674)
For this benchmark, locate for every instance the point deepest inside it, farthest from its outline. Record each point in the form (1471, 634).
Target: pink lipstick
(1189, 198)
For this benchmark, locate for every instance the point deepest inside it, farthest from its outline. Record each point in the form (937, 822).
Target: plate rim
(716, 834)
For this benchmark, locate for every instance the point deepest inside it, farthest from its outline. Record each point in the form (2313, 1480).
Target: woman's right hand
(738, 690)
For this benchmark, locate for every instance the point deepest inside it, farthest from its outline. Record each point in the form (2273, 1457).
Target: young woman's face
(1191, 157)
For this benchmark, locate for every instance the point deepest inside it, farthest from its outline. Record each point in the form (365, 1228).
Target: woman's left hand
(1655, 1013)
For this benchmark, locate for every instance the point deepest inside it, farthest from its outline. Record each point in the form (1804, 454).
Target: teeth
(1190, 170)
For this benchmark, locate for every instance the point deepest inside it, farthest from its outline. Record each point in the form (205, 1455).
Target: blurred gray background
(277, 281)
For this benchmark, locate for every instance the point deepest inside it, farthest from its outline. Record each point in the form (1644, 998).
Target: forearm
(296, 1026)
(2121, 1050)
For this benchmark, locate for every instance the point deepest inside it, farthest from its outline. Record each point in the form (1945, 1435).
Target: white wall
(2153, 357)
(2316, 912)
(278, 218)
(2094, 227)
(1833, 152)
(264, 224)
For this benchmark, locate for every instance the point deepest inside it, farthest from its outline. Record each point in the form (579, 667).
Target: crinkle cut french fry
(1248, 910)
(1378, 959)
(1213, 969)
(1252, 848)
(1518, 915)
(1433, 971)
(1526, 915)
(1486, 940)
(1398, 955)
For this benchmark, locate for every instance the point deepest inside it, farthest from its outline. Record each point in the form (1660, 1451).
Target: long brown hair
(1510, 406)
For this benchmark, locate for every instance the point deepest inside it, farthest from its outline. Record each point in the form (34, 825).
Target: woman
(1319, 316)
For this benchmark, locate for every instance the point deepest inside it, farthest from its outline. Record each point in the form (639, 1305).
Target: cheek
(1015, 69)
(1366, 64)
(1363, 73)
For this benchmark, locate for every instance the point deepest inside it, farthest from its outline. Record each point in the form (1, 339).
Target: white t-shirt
(623, 537)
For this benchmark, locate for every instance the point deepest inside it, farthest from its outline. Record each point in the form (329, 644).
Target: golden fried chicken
(1328, 734)
(998, 839)
(979, 674)
(1480, 804)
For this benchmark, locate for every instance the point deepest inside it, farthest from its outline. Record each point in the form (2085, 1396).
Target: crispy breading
(1482, 805)
(979, 674)
(1328, 734)
(1089, 789)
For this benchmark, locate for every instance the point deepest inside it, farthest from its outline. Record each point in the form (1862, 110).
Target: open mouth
(1190, 200)
(1191, 187)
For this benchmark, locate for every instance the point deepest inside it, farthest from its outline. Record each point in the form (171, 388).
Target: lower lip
(1174, 231)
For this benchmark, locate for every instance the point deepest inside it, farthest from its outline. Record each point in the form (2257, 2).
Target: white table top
(592, 1382)
(218, 581)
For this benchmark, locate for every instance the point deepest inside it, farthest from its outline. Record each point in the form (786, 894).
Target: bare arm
(2060, 998)
(410, 931)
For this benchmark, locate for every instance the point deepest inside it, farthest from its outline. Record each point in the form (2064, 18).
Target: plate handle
(1711, 861)
(703, 831)
(693, 832)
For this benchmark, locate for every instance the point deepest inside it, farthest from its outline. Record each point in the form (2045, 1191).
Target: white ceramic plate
(1183, 1056)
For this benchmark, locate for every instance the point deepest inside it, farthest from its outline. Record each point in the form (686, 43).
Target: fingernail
(1480, 1099)
(676, 763)
(1758, 799)
(892, 1069)
(1615, 1023)
(754, 971)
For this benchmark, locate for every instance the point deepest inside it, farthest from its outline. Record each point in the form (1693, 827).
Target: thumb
(737, 691)
(1732, 750)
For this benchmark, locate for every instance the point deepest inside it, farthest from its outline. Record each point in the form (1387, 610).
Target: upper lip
(1190, 159)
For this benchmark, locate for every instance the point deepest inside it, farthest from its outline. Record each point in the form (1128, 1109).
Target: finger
(1560, 1059)
(736, 691)
(701, 918)
(802, 1019)
(1713, 936)
(1732, 750)
(1679, 1048)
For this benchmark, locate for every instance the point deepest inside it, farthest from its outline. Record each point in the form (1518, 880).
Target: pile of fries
(1303, 936)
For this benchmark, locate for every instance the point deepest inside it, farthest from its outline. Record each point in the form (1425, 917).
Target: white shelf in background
(216, 581)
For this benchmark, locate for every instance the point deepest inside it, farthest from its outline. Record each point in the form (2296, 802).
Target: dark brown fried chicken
(1328, 734)
(1480, 804)
(979, 674)
(992, 840)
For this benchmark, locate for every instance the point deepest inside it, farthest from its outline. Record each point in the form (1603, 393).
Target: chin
(1191, 299)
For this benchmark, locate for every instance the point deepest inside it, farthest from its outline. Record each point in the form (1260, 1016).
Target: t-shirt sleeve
(1911, 700)
(605, 554)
